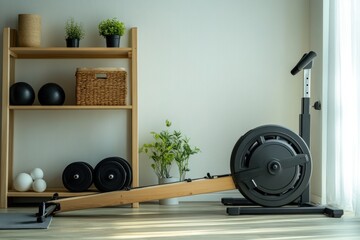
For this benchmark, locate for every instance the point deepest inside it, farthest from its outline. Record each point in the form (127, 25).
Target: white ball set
(24, 181)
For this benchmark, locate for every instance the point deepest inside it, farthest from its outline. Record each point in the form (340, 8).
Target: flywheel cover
(271, 165)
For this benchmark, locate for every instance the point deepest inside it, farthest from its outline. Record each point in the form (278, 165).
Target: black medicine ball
(21, 93)
(51, 94)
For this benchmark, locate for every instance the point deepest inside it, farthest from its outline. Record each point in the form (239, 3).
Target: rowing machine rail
(142, 194)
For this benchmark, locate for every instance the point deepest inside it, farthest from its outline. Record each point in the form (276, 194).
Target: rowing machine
(270, 165)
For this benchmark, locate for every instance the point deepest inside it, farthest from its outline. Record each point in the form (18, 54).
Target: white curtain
(343, 152)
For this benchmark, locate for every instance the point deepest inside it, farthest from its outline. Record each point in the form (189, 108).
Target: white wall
(215, 68)
(318, 118)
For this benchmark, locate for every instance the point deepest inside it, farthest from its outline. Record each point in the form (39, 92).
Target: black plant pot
(72, 42)
(112, 41)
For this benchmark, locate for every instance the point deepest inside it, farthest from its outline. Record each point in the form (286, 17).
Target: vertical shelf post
(5, 119)
(134, 111)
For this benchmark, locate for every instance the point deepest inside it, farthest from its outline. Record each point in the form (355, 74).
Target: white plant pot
(168, 201)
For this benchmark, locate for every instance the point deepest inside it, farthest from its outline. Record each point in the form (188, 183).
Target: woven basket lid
(102, 69)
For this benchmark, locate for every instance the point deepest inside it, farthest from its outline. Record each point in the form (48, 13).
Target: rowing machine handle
(304, 61)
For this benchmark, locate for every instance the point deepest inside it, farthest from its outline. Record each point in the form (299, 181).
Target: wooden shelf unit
(10, 54)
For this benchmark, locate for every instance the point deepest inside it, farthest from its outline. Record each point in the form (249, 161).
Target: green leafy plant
(183, 151)
(74, 30)
(111, 27)
(167, 148)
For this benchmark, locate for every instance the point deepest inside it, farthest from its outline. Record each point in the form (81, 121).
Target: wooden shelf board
(49, 193)
(63, 52)
(69, 107)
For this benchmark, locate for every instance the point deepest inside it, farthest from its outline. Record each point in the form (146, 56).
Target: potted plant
(160, 151)
(112, 30)
(182, 153)
(74, 32)
(167, 148)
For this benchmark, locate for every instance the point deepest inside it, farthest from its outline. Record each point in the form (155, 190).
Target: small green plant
(111, 27)
(167, 148)
(183, 151)
(74, 30)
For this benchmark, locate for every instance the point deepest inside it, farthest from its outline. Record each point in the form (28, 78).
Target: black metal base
(243, 202)
(236, 202)
(47, 209)
(304, 209)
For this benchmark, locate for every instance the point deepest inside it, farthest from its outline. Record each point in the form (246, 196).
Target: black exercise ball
(51, 94)
(21, 93)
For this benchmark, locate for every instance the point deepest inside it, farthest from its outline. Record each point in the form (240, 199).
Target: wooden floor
(186, 221)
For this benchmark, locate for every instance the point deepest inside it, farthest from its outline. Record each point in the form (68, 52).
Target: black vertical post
(304, 121)
(305, 134)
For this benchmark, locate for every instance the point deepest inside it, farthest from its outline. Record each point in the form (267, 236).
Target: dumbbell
(110, 174)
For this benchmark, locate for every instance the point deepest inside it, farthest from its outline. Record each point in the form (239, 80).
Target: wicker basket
(101, 86)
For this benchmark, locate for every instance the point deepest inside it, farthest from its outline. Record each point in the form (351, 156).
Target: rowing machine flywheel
(271, 165)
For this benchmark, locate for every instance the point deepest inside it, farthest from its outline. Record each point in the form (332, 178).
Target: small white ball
(39, 185)
(23, 182)
(37, 173)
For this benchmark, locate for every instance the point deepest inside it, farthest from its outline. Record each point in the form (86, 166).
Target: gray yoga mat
(22, 221)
